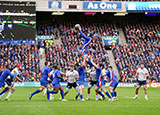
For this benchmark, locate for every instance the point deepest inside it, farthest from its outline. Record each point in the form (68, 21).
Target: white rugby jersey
(142, 73)
(12, 72)
(16, 70)
(93, 76)
(72, 75)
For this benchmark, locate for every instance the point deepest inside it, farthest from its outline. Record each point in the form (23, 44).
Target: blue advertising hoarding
(64, 84)
(55, 4)
(143, 6)
(102, 5)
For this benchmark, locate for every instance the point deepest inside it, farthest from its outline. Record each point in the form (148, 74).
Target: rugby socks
(112, 93)
(45, 91)
(77, 95)
(100, 93)
(96, 96)
(115, 93)
(37, 91)
(108, 94)
(62, 94)
(9, 94)
(88, 95)
(81, 97)
(145, 95)
(3, 92)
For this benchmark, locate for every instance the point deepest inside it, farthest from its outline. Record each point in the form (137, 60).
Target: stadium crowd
(143, 45)
(23, 53)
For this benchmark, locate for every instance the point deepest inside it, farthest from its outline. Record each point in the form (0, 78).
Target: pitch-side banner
(154, 84)
(55, 4)
(64, 84)
(143, 6)
(102, 5)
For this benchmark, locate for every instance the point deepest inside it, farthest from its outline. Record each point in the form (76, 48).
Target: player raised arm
(92, 63)
(82, 34)
(85, 37)
(59, 75)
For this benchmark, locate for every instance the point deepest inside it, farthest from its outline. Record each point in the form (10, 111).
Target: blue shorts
(44, 83)
(2, 84)
(80, 83)
(56, 85)
(141, 83)
(113, 83)
(100, 84)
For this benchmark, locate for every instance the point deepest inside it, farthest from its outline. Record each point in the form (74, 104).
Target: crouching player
(100, 84)
(45, 73)
(72, 76)
(92, 82)
(81, 71)
(57, 77)
(114, 82)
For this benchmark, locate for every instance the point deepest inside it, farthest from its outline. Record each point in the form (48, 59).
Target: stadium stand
(23, 52)
(143, 45)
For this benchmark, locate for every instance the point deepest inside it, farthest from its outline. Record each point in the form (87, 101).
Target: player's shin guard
(108, 95)
(62, 94)
(100, 93)
(4, 91)
(37, 91)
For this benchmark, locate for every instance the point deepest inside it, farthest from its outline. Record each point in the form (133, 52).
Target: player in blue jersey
(3, 76)
(9, 81)
(57, 76)
(114, 82)
(81, 72)
(45, 73)
(100, 81)
(86, 43)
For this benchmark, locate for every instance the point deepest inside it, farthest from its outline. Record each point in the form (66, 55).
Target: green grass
(19, 104)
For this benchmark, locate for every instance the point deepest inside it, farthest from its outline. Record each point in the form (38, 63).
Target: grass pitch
(20, 104)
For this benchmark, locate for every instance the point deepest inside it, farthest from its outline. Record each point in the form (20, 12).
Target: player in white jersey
(92, 82)
(72, 76)
(142, 74)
